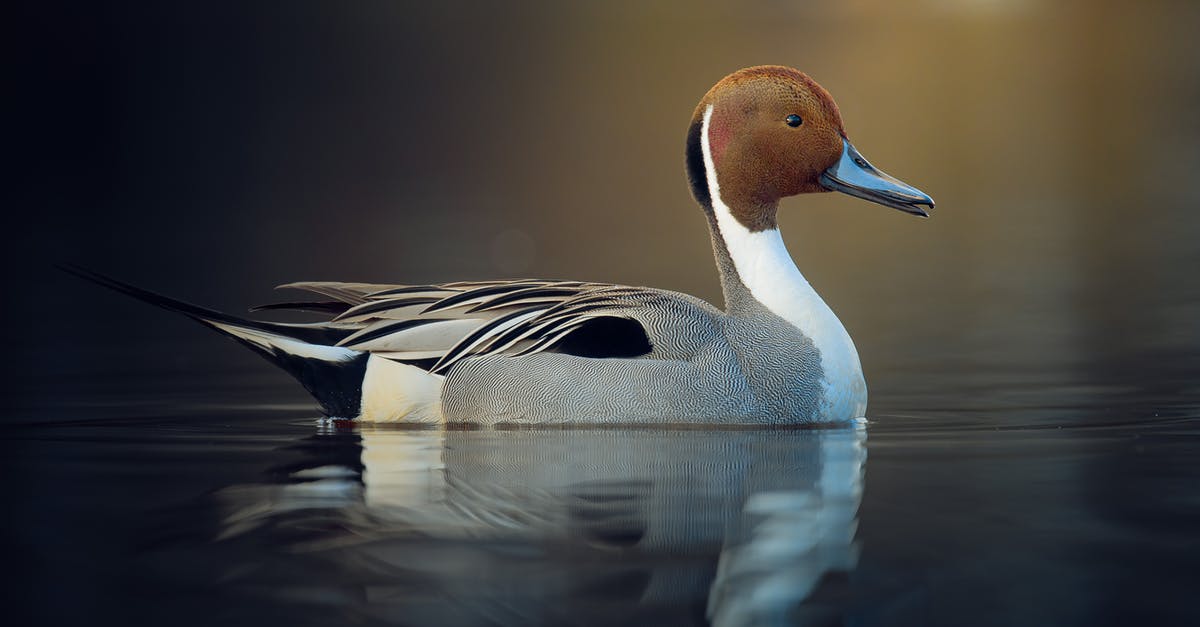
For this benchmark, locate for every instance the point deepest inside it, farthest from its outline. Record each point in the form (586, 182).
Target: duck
(529, 352)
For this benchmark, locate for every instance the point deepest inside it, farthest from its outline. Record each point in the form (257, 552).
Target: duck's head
(764, 133)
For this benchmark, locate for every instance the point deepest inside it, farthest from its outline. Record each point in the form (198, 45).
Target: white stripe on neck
(767, 270)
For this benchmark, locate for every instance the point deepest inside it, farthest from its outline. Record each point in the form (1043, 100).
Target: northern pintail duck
(533, 351)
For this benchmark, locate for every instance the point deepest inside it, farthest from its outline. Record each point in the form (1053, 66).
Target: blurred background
(211, 150)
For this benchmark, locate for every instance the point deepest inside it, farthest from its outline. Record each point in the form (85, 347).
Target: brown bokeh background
(212, 150)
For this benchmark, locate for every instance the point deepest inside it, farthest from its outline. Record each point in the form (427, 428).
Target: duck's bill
(854, 175)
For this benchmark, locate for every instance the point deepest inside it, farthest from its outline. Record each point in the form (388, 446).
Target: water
(220, 499)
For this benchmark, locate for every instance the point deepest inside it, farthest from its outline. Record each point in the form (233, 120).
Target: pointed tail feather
(302, 332)
(332, 374)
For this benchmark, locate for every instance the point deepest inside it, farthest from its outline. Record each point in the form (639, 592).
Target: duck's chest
(790, 372)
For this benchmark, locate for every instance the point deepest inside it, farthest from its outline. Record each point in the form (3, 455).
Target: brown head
(771, 132)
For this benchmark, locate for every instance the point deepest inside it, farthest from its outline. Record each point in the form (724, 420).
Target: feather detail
(477, 295)
(408, 289)
(402, 312)
(480, 335)
(325, 307)
(410, 335)
(410, 355)
(379, 306)
(532, 293)
(349, 293)
(441, 324)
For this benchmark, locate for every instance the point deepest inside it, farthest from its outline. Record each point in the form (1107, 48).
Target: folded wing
(436, 326)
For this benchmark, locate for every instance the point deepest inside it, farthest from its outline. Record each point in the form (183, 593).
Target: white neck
(768, 272)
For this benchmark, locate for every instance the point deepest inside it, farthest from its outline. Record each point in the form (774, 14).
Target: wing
(437, 326)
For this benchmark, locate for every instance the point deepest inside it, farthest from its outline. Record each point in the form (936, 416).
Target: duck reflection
(733, 527)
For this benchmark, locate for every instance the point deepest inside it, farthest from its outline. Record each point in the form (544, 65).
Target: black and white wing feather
(437, 326)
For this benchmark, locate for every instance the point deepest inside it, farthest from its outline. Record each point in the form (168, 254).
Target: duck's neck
(757, 273)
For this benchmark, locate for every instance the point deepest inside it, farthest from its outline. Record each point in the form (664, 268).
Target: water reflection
(527, 526)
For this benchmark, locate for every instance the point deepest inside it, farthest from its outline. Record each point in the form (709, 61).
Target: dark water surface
(1028, 505)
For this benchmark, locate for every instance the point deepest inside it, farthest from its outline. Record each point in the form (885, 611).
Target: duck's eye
(793, 120)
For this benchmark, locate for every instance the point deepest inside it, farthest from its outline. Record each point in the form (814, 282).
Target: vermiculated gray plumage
(702, 364)
(695, 371)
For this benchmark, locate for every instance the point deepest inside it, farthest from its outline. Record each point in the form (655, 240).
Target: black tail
(332, 374)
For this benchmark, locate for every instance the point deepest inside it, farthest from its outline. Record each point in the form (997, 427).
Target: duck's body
(572, 352)
(698, 369)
